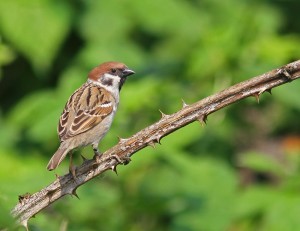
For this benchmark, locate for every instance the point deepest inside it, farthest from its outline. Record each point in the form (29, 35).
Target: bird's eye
(113, 70)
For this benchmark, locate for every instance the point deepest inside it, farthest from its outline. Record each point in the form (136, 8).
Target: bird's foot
(97, 155)
(72, 170)
(121, 160)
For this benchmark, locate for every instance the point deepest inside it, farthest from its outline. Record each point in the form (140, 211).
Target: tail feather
(57, 158)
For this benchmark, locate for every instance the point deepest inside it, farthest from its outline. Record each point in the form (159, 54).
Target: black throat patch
(122, 81)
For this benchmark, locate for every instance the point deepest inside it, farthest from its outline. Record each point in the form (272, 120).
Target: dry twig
(29, 205)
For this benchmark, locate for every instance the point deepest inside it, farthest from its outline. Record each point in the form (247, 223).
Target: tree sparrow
(89, 112)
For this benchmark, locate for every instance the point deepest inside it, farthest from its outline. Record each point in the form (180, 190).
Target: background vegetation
(238, 173)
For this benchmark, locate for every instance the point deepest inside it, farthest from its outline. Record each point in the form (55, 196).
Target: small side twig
(30, 205)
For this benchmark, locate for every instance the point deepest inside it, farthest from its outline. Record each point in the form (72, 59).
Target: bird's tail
(57, 158)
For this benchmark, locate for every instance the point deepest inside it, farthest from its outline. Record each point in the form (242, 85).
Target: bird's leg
(72, 167)
(120, 160)
(97, 154)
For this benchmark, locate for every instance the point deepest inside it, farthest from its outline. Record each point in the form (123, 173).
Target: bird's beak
(128, 72)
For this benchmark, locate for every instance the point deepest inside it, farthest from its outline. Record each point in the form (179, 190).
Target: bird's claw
(121, 160)
(97, 157)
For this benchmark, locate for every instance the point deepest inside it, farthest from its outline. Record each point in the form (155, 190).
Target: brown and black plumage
(89, 112)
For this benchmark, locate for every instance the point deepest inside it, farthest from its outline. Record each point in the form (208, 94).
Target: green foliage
(35, 28)
(240, 172)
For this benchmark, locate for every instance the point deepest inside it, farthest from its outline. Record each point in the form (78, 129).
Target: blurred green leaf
(32, 114)
(36, 28)
(254, 201)
(7, 55)
(283, 214)
(260, 162)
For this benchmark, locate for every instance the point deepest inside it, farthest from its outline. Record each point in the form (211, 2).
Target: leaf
(255, 200)
(38, 113)
(7, 55)
(260, 162)
(283, 215)
(36, 28)
(192, 191)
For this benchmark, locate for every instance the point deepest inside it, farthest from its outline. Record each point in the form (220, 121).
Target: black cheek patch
(107, 82)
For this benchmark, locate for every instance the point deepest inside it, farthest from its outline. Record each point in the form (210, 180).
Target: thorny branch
(29, 205)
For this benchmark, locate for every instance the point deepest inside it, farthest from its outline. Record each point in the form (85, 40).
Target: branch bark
(29, 205)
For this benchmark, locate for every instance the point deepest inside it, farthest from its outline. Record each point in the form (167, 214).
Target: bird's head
(110, 74)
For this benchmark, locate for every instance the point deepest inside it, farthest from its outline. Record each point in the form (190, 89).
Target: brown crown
(103, 68)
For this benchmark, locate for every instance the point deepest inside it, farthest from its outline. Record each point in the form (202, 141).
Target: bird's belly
(96, 134)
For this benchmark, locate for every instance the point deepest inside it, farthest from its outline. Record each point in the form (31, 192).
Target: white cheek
(113, 87)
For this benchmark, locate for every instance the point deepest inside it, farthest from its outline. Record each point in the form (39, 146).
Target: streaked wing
(85, 109)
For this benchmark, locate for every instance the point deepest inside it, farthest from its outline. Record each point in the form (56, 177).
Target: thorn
(184, 104)
(126, 160)
(163, 115)
(151, 144)
(262, 91)
(25, 224)
(114, 169)
(157, 140)
(57, 176)
(269, 91)
(50, 193)
(256, 95)
(121, 139)
(24, 197)
(203, 119)
(286, 74)
(74, 193)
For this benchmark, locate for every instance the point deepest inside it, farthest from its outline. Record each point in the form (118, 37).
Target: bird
(89, 112)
